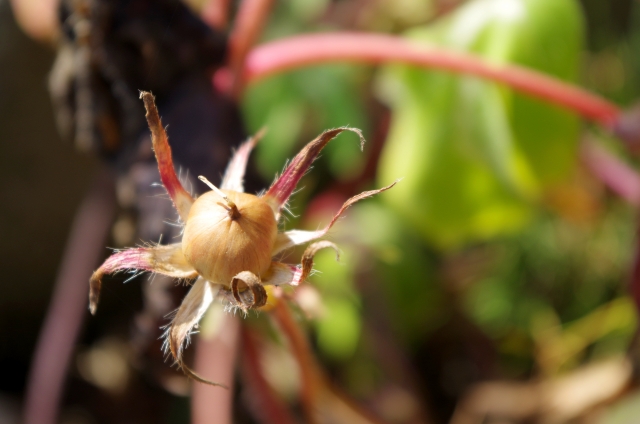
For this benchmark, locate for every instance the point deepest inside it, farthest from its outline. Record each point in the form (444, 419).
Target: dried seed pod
(229, 239)
(224, 237)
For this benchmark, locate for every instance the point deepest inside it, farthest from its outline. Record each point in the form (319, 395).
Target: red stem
(268, 406)
(634, 283)
(306, 50)
(311, 380)
(612, 171)
(317, 396)
(69, 302)
(250, 20)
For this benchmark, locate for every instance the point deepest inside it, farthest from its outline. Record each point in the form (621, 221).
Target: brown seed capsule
(223, 237)
(229, 237)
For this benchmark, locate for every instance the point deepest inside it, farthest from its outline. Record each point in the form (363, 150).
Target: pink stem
(305, 50)
(68, 303)
(613, 172)
(215, 360)
(250, 20)
(216, 13)
(634, 283)
(625, 182)
(37, 18)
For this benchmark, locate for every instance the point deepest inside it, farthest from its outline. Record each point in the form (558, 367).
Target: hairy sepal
(292, 238)
(193, 307)
(233, 178)
(166, 260)
(281, 189)
(282, 274)
(181, 199)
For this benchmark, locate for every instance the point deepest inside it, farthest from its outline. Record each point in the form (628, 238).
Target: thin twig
(69, 302)
(321, 402)
(306, 50)
(309, 372)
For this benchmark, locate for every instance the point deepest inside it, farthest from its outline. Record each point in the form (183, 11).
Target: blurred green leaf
(622, 411)
(404, 273)
(339, 329)
(298, 106)
(475, 155)
(564, 278)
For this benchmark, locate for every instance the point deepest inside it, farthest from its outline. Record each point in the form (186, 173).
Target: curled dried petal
(307, 258)
(167, 260)
(193, 307)
(182, 200)
(296, 237)
(254, 295)
(281, 189)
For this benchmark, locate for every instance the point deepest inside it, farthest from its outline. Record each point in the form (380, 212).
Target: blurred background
(490, 285)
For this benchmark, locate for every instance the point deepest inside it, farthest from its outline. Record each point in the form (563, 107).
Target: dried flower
(229, 236)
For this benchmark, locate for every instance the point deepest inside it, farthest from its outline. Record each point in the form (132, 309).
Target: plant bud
(223, 237)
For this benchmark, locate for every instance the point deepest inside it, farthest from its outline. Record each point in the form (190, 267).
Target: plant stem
(68, 302)
(216, 13)
(634, 281)
(321, 402)
(267, 406)
(37, 18)
(309, 373)
(215, 359)
(306, 50)
(250, 20)
(613, 172)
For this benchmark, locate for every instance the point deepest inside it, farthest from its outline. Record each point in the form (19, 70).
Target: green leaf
(339, 329)
(475, 156)
(297, 106)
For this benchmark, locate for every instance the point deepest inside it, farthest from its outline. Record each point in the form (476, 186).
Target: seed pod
(224, 237)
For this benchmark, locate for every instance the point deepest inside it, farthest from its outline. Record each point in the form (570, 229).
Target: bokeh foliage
(496, 225)
(479, 154)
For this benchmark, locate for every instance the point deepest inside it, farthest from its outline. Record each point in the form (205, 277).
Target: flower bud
(223, 237)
